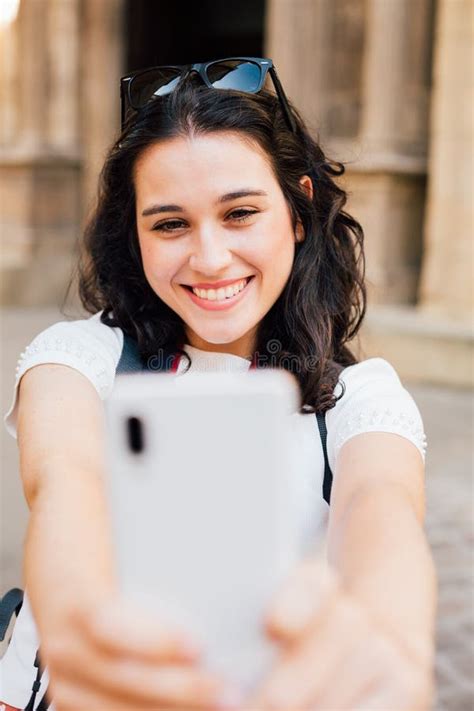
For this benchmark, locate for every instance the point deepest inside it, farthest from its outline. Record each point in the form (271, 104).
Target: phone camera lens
(135, 435)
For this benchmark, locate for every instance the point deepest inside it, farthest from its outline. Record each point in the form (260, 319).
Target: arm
(67, 551)
(370, 616)
(376, 540)
(100, 652)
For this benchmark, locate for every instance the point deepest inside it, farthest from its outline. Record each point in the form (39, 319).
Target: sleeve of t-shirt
(374, 400)
(87, 345)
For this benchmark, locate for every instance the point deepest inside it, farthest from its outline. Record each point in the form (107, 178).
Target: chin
(221, 335)
(220, 339)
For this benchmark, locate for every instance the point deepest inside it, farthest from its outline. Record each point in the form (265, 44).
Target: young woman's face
(215, 235)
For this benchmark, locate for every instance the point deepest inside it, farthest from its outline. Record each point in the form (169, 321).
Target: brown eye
(168, 226)
(241, 215)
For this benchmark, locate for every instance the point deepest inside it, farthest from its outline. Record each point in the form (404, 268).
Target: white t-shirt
(374, 401)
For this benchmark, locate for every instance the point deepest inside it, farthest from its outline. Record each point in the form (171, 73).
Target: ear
(307, 185)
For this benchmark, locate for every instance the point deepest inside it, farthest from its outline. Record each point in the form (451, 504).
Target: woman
(220, 232)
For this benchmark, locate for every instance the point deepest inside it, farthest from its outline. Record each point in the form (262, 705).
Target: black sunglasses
(245, 74)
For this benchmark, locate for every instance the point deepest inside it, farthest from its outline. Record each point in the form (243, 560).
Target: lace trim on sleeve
(376, 419)
(93, 363)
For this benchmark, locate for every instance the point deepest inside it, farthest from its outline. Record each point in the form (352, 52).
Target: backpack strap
(130, 359)
(10, 605)
(327, 481)
(43, 704)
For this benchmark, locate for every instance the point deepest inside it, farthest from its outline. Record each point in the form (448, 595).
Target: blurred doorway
(178, 33)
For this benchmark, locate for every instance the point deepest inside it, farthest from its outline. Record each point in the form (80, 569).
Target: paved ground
(448, 416)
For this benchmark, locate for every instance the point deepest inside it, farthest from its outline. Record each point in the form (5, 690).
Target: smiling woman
(220, 235)
(208, 186)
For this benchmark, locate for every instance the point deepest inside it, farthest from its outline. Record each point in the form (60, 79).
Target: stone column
(387, 180)
(396, 68)
(384, 146)
(39, 153)
(448, 264)
(59, 111)
(62, 110)
(9, 61)
(32, 76)
(102, 50)
(298, 40)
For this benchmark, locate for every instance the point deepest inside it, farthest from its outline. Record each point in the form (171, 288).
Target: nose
(210, 254)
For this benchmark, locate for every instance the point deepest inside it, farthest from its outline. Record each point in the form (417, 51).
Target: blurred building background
(386, 84)
(388, 87)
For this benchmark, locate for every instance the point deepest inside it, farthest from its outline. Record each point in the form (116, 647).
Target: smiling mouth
(221, 294)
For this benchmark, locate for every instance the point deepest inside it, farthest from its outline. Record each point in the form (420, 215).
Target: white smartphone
(204, 505)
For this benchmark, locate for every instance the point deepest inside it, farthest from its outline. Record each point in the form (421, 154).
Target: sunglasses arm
(122, 103)
(283, 100)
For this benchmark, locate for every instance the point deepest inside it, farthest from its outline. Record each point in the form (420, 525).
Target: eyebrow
(235, 195)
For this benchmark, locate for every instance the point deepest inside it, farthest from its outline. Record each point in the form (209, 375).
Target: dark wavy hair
(324, 300)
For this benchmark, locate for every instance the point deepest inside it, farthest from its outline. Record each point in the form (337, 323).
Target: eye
(168, 226)
(241, 214)
(238, 215)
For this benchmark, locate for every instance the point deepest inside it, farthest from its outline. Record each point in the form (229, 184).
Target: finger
(308, 593)
(121, 630)
(122, 676)
(306, 669)
(86, 666)
(88, 661)
(134, 687)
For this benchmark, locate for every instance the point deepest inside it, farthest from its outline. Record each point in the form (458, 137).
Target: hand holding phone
(203, 502)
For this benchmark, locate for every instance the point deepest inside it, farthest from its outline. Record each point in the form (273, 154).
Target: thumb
(306, 595)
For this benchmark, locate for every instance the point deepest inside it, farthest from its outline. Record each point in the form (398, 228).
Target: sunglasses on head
(245, 74)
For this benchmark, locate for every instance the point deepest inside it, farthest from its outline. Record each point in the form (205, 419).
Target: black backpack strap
(36, 687)
(130, 359)
(132, 362)
(327, 481)
(10, 605)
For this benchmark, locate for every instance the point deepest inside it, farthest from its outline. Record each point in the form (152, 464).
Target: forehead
(213, 162)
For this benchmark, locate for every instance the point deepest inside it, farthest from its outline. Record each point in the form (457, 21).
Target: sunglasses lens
(156, 82)
(235, 74)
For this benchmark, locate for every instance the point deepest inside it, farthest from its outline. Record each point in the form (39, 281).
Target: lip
(219, 305)
(217, 284)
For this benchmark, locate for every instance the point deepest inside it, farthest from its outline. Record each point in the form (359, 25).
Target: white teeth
(222, 293)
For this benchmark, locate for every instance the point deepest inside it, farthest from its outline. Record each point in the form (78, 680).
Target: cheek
(275, 254)
(157, 265)
(145, 249)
